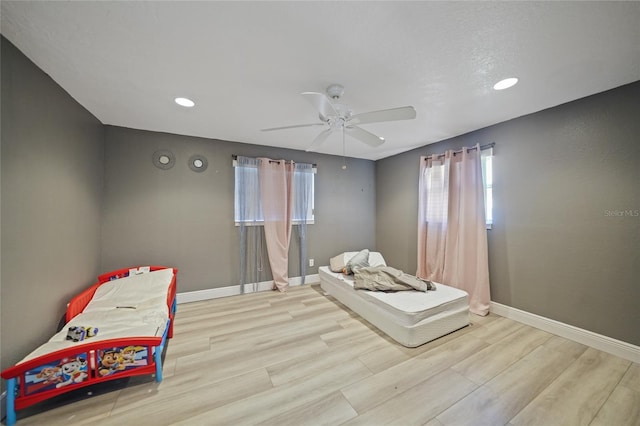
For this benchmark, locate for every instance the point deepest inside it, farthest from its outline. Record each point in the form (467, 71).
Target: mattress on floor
(410, 317)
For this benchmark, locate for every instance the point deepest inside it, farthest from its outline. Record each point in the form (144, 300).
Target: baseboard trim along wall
(214, 293)
(598, 341)
(3, 405)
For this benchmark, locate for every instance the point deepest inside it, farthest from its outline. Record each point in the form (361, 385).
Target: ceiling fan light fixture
(505, 84)
(185, 102)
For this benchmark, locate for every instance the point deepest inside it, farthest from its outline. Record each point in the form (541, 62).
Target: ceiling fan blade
(319, 140)
(321, 103)
(402, 113)
(292, 127)
(364, 136)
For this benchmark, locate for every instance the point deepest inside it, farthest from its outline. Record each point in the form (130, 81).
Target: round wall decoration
(164, 159)
(198, 163)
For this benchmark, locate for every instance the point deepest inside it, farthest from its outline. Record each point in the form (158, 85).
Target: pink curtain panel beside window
(452, 234)
(276, 193)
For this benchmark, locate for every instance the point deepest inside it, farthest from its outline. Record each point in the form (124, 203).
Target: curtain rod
(234, 157)
(482, 148)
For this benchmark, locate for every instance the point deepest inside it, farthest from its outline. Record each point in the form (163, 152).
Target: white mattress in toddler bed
(407, 307)
(135, 306)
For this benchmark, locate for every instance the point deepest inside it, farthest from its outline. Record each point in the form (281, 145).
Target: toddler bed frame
(82, 364)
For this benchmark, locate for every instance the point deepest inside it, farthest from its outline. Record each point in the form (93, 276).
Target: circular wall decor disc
(198, 163)
(163, 159)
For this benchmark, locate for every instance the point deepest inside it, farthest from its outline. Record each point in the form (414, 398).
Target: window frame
(260, 222)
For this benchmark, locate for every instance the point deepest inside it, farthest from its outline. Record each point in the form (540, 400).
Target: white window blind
(437, 190)
(487, 179)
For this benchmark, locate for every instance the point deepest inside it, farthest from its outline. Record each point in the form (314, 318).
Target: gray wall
(185, 219)
(553, 251)
(557, 248)
(52, 170)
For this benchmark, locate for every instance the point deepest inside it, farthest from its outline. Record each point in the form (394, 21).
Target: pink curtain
(276, 196)
(452, 235)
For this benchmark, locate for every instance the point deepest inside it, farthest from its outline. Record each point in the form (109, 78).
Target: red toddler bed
(125, 319)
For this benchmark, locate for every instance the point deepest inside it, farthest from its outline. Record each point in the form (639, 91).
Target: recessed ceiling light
(185, 102)
(505, 84)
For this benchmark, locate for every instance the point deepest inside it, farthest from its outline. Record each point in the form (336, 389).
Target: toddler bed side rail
(62, 371)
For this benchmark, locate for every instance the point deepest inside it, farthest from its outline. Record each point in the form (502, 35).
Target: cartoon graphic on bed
(49, 375)
(74, 370)
(115, 360)
(55, 375)
(129, 354)
(43, 378)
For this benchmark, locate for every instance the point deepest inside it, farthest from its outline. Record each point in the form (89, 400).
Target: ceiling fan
(338, 116)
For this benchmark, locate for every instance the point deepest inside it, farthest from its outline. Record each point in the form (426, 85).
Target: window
(487, 178)
(437, 192)
(247, 207)
(437, 183)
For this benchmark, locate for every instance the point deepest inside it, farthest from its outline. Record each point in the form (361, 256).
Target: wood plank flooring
(302, 358)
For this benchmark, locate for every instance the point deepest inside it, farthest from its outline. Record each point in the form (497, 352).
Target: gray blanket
(386, 278)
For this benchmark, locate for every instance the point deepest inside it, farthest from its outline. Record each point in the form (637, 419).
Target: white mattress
(135, 306)
(410, 317)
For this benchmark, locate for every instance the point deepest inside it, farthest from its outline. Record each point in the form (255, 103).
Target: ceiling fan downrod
(344, 152)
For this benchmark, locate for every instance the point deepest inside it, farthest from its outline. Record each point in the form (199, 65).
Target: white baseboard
(598, 341)
(214, 293)
(3, 405)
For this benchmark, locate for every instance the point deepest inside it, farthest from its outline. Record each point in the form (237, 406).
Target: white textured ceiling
(246, 63)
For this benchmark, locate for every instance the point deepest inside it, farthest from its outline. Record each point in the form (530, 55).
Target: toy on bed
(78, 333)
(411, 317)
(131, 314)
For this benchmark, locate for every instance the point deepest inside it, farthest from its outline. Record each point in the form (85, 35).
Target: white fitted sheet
(135, 306)
(411, 307)
(410, 317)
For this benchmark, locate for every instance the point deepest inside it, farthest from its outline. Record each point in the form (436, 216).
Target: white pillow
(360, 260)
(337, 263)
(376, 259)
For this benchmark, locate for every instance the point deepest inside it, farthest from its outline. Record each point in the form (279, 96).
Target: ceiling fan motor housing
(335, 91)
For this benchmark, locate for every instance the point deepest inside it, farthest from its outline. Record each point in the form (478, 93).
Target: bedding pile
(386, 278)
(372, 273)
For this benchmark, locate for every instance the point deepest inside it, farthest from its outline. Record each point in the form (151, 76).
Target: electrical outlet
(311, 262)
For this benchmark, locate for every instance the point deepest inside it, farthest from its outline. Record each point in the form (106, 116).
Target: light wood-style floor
(301, 358)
